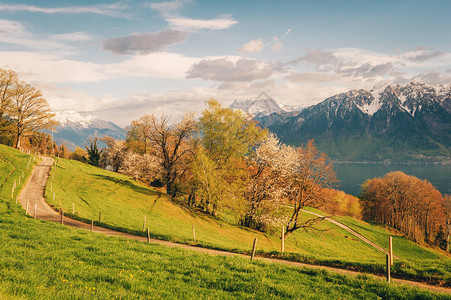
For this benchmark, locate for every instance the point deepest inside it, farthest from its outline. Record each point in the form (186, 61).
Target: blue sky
(121, 59)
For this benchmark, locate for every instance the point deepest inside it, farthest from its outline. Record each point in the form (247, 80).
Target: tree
(270, 167)
(79, 154)
(313, 174)
(8, 81)
(226, 138)
(139, 132)
(141, 166)
(29, 111)
(114, 153)
(171, 145)
(227, 133)
(408, 204)
(93, 151)
(447, 212)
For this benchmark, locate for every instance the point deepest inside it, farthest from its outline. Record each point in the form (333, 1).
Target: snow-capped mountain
(74, 128)
(263, 105)
(410, 122)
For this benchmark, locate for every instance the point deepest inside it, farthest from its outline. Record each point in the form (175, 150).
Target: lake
(352, 175)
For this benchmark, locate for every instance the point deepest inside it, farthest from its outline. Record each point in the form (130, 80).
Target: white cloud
(254, 46)
(196, 24)
(51, 68)
(112, 10)
(15, 33)
(166, 6)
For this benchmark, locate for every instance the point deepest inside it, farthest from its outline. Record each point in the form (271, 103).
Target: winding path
(32, 197)
(351, 231)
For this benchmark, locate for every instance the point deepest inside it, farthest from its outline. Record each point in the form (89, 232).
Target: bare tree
(29, 111)
(312, 175)
(170, 143)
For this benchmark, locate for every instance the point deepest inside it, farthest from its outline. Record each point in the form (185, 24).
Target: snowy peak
(74, 128)
(410, 98)
(263, 105)
(70, 116)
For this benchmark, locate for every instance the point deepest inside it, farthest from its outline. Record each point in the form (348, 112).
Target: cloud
(166, 6)
(286, 33)
(317, 58)
(433, 78)
(145, 43)
(423, 55)
(72, 37)
(15, 33)
(276, 47)
(254, 46)
(318, 77)
(196, 24)
(223, 69)
(111, 10)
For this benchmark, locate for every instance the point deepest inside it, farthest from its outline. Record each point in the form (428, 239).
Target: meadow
(42, 260)
(124, 203)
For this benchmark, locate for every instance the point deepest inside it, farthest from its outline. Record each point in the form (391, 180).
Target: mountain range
(74, 128)
(392, 122)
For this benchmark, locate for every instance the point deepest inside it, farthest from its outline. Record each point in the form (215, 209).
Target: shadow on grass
(129, 184)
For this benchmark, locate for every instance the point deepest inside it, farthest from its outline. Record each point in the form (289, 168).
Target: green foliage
(227, 133)
(93, 152)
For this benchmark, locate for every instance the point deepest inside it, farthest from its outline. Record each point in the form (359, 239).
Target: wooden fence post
(254, 247)
(148, 235)
(390, 248)
(62, 217)
(282, 245)
(35, 208)
(388, 268)
(12, 193)
(92, 225)
(144, 224)
(73, 208)
(194, 233)
(100, 214)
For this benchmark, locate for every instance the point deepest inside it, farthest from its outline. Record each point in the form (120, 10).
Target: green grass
(124, 203)
(416, 261)
(42, 260)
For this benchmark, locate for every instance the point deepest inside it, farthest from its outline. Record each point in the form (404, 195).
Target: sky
(121, 59)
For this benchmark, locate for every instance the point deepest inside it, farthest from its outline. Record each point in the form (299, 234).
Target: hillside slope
(42, 260)
(123, 203)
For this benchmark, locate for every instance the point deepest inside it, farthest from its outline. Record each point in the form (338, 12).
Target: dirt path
(33, 196)
(351, 231)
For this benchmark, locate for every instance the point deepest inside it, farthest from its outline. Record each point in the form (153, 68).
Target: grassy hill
(123, 203)
(42, 260)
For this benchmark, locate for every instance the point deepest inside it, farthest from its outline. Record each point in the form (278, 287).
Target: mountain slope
(74, 129)
(263, 105)
(411, 122)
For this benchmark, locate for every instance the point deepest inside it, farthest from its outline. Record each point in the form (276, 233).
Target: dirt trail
(33, 195)
(351, 231)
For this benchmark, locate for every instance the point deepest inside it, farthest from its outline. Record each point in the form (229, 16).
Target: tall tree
(93, 151)
(29, 111)
(226, 136)
(171, 145)
(313, 174)
(8, 81)
(269, 168)
(139, 132)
